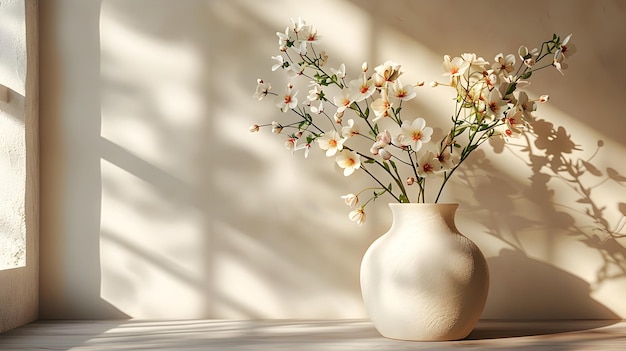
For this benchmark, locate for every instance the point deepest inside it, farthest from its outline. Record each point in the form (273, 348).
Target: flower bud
(364, 67)
(386, 155)
(374, 149)
(544, 98)
(523, 52)
(338, 116)
(434, 84)
(254, 128)
(383, 138)
(410, 181)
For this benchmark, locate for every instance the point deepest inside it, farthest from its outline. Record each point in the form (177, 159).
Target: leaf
(511, 88)
(403, 198)
(527, 75)
(614, 175)
(591, 168)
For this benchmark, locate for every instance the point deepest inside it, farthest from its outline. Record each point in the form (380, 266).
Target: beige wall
(157, 202)
(20, 171)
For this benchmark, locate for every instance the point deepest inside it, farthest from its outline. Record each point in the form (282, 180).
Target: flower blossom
(262, 89)
(448, 158)
(381, 107)
(428, 164)
(566, 49)
(339, 72)
(280, 62)
(357, 216)
(350, 161)
(350, 130)
(504, 63)
(306, 147)
(283, 39)
(317, 109)
(495, 106)
(315, 93)
(360, 89)
(288, 100)
(387, 72)
(513, 125)
(277, 128)
(454, 67)
(401, 92)
(331, 142)
(415, 133)
(342, 101)
(350, 200)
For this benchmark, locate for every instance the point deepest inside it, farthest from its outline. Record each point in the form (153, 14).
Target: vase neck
(419, 214)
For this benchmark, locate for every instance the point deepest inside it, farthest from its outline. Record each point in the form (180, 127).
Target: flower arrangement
(401, 152)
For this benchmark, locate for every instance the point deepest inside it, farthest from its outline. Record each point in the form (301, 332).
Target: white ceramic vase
(423, 280)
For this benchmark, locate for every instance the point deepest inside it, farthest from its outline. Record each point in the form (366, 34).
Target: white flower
(288, 100)
(415, 133)
(504, 63)
(381, 107)
(294, 70)
(448, 157)
(428, 164)
(387, 72)
(331, 142)
(279, 64)
(283, 39)
(340, 72)
(495, 106)
(357, 216)
(315, 92)
(350, 161)
(401, 92)
(277, 128)
(350, 130)
(360, 89)
(566, 49)
(350, 200)
(305, 146)
(342, 101)
(262, 89)
(290, 143)
(513, 125)
(317, 109)
(454, 67)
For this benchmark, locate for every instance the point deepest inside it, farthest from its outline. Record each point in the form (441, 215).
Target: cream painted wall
(19, 255)
(157, 202)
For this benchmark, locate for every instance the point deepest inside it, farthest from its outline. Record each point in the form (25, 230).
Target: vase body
(423, 280)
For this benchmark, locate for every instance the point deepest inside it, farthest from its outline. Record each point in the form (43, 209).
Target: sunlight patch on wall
(12, 135)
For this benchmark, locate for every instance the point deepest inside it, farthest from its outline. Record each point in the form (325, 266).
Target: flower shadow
(552, 157)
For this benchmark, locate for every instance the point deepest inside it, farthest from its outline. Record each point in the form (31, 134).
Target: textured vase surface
(423, 280)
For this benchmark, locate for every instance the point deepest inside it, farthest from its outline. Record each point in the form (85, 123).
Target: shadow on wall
(549, 153)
